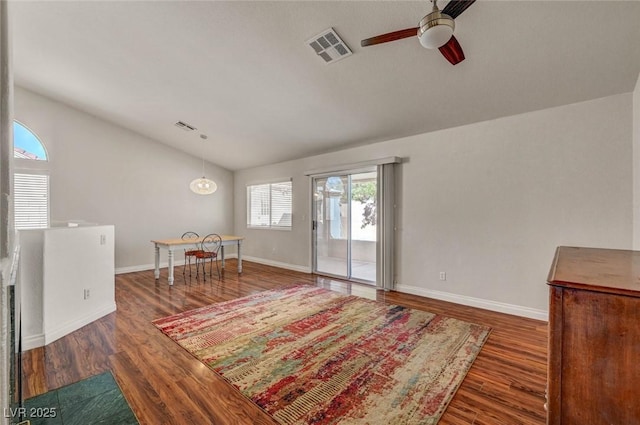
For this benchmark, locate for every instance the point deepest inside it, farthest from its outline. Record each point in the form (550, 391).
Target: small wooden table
(172, 244)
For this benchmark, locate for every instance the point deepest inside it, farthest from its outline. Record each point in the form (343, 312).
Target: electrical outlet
(87, 294)
(443, 275)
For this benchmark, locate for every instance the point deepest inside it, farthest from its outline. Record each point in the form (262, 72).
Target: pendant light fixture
(203, 186)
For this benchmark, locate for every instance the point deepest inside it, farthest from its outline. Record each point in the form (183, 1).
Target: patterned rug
(307, 355)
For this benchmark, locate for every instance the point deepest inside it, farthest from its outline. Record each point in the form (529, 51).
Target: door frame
(387, 205)
(314, 220)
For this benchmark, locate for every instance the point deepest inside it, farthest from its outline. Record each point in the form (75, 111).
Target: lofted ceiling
(242, 73)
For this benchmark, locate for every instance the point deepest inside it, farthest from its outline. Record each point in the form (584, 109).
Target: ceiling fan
(435, 31)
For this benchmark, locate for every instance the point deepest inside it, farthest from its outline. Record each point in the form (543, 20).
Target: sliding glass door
(344, 225)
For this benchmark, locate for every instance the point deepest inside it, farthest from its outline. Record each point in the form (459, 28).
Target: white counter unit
(67, 278)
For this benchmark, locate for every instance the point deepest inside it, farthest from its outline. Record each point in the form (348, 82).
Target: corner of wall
(6, 215)
(635, 111)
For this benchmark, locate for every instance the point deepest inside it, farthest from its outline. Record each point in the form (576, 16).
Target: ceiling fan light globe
(435, 30)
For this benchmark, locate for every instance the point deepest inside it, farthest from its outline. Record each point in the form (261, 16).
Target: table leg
(239, 257)
(222, 255)
(170, 266)
(156, 272)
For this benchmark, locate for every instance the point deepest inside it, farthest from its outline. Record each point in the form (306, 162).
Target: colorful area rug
(307, 355)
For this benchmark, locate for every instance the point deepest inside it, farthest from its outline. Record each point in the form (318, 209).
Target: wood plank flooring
(166, 385)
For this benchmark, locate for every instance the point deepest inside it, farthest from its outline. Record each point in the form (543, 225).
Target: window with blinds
(269, 205)
(31, 201)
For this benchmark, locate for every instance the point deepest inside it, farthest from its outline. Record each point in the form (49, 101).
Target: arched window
(26, 145)
(30, 180)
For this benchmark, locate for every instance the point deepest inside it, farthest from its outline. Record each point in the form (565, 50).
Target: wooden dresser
(594, 337)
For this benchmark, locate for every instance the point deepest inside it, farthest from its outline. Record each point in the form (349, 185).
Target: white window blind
(269, 205)
(259, 208)
(31, 201)
(281, 205)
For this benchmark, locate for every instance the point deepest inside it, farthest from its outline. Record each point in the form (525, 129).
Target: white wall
(636, 166)
(105, 174)
(6, 215)
(57, 266)
(487, 203)
(31, 277)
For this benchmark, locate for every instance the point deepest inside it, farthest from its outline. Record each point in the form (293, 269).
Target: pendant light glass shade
(203, 186)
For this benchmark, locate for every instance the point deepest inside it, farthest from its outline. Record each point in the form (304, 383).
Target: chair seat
(205, 254)
(192, 252)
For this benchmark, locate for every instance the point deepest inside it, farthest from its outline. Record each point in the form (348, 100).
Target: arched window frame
(32, 167)
(25, 164)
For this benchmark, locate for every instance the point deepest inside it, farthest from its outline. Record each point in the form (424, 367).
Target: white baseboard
(39, 340)
(500, 307)
(67, 328)
(32, 341)
(143, 267)
(294, 267)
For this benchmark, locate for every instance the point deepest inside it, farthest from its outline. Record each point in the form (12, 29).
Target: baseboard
(258, 260)
(39, 340)
(177, 263)
(287, 266)
(143, 267)
(32, 341)
(500, 307)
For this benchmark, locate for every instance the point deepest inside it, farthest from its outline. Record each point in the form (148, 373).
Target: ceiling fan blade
(452, 51)
(455, 7)
(391, 36)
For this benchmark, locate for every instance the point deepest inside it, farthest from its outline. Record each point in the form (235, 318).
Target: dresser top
(596, 269)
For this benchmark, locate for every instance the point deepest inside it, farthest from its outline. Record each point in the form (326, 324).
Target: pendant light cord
(203, 137)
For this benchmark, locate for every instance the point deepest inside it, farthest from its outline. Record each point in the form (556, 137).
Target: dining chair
(190, 252)
(209, 248)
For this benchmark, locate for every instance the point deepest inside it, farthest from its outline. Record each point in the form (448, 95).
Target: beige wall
(636, 166)
(105, 174)
(486, 203)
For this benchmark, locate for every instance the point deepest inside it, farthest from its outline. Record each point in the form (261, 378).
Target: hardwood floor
(166, 385)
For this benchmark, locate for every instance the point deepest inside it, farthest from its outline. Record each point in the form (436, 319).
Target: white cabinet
(67, 280)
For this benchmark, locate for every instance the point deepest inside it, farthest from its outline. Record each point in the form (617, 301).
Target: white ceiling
(242, 73)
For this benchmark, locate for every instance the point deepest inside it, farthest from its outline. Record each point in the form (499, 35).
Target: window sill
(280, 229)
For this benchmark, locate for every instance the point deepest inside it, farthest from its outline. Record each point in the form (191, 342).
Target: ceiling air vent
(329, 46)
(185, 126)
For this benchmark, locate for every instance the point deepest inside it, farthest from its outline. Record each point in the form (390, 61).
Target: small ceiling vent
(183, 125)
(329, 46)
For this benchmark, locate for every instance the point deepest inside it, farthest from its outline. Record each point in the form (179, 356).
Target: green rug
(95, 400)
